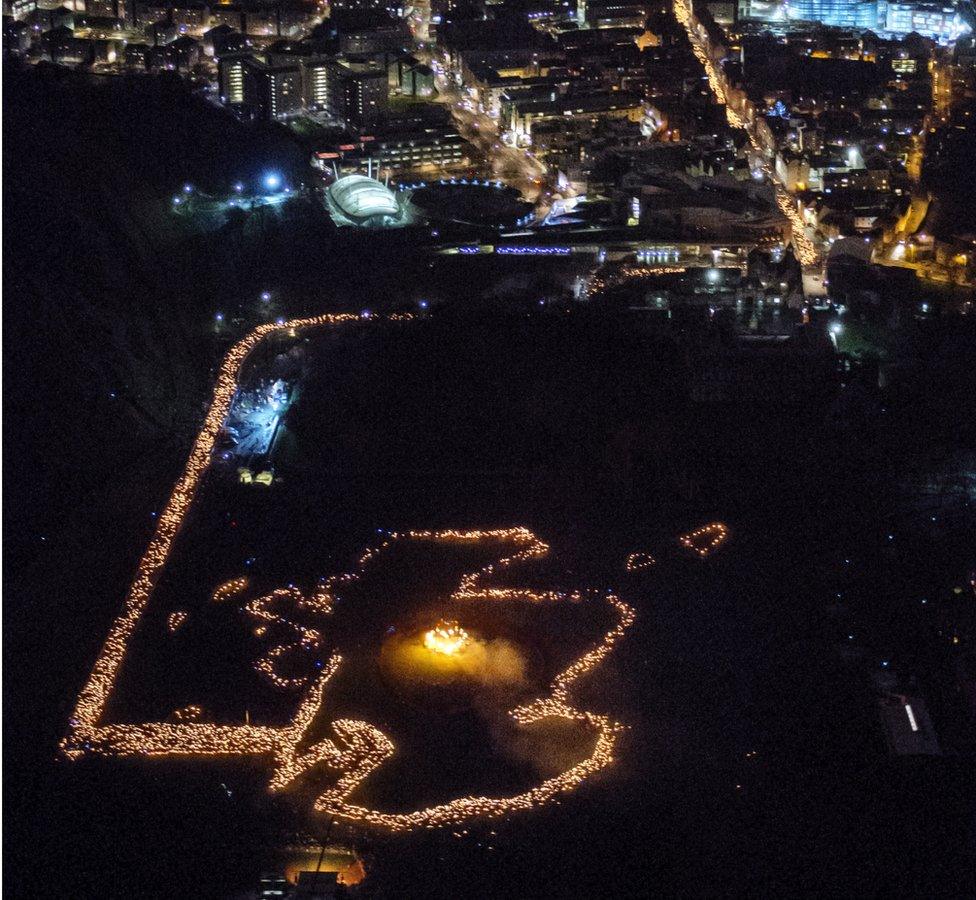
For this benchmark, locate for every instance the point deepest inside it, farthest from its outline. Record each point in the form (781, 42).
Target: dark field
(754, 757)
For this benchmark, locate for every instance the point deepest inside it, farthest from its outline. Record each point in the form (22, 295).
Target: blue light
(423, 304)
(272, 181)
(265, 296)
(187, 188)
(534, 251)
(239, 187)
(219, 317)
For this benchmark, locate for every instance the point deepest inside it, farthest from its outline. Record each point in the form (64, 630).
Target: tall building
(276, 91)
(839, 13)
(940, 21)
(230, 70)
(356, 92)
(316, 83)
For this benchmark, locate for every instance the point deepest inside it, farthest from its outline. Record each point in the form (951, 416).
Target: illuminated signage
(535, 251)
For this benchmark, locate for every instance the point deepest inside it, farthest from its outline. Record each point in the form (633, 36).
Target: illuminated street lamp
(834, 329)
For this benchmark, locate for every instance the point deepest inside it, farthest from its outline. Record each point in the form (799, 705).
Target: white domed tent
(360, 200)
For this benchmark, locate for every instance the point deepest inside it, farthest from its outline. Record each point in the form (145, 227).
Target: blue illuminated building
(840, 13)
(938, 20)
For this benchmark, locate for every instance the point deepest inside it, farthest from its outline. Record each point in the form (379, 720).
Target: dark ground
(578, 427)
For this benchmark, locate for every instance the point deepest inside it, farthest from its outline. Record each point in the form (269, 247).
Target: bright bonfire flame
(446, 637)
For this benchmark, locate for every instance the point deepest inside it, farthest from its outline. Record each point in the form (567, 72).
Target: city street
(517, 168)
(807, 253)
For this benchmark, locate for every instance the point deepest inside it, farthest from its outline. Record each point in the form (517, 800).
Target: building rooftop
(360, 197)
(592, 103)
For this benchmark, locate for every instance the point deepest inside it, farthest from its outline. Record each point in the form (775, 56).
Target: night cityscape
(489, 448)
